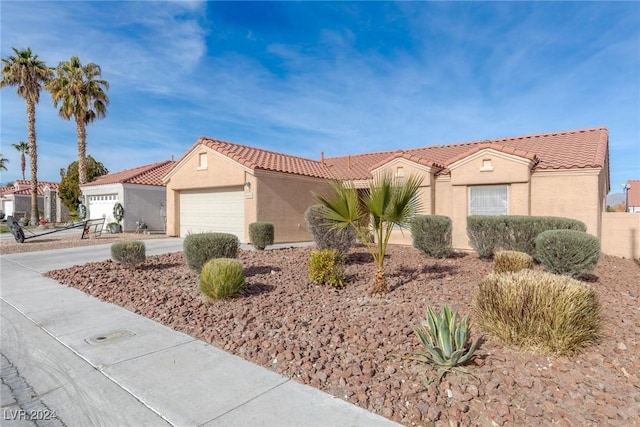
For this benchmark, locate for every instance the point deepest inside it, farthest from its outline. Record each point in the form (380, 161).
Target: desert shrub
(511, 261)
(432, 235)
(130, 254)
(222, 278)
(569, 252)
(445, 337)
(538, 311)
(326, 268)
(489, 233)
(261, 234)
(325, 236)
(200, 248)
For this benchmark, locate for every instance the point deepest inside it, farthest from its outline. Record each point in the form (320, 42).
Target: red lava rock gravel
(358, 347)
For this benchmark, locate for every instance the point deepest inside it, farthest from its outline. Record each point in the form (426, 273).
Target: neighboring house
(221, 186)
(16, 201)
(633, 195)
(139, 190)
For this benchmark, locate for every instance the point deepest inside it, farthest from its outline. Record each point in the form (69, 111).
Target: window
(489, 200)
(202, 161)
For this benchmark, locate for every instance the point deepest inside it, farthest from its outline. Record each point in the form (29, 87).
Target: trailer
(90, 228)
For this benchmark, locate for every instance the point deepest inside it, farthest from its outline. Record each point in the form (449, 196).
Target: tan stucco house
(222, 186)
(139, 190)
(16, 201)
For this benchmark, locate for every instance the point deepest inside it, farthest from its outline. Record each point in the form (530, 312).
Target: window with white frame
(489, 200)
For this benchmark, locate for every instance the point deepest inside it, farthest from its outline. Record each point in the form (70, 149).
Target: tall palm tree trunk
(33, 160)
(82, 150)
(23, 164)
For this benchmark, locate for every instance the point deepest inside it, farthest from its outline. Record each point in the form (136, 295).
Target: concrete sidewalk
(70, 359)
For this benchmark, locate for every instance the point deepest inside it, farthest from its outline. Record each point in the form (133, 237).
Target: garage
(8, 207)
(212, 210)
(102, 207)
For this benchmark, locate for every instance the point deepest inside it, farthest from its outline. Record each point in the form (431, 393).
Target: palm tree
(28, 73)
(22, 147)
(389, 203)
(81, 95)
(3, 163)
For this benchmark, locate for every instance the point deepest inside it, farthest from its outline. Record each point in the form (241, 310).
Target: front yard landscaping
(359, 347)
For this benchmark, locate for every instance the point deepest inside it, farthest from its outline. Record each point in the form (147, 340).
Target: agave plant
(445, 336)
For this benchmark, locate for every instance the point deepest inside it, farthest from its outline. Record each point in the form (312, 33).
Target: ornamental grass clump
(222, 278)
(511, 261)
(446, 338)
(129, 254)
(326, 268)
(200, 248)
(538, 311)
(261, 234)
(569, 252)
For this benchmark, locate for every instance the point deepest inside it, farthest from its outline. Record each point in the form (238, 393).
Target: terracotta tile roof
(151, 174)
(257, 158)
(23, 187)
(584, 148)
(633, 193)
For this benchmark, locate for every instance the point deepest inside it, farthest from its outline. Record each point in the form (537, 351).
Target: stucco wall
(621, 234)
(22, 206)
(147, 202)
(282, 200)
(571, 193)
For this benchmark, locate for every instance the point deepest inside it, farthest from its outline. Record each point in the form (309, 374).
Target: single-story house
(222, 186)
(16, 201)
(139, 190)
(633, 195)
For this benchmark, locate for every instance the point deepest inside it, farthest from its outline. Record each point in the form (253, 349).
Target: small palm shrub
(511, 261)
(129, 254)
(261, 234)
(325, 236)
(326, 268)
(200, 248)
(569, 252)
(446, 338)
(222, 278)
(538, 311)
(432, 235)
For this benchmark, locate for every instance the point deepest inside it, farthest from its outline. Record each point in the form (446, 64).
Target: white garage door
(102, 207)
(216, 210)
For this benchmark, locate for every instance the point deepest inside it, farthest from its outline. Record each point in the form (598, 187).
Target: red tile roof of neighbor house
(583, 148)
(23, 187)
(633, 193)
(151, 174)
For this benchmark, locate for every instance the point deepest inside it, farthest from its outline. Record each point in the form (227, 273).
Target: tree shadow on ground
(404, 275)
(259, 269)
(257, 288)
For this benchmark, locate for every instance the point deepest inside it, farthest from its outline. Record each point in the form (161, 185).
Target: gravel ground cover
(359, 348)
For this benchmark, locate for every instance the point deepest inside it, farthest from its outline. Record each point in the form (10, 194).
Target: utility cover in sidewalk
(110, 337)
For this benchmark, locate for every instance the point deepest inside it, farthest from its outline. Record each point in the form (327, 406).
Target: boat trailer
(90, 227)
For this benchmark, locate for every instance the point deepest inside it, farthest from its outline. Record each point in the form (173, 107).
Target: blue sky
(338, 77)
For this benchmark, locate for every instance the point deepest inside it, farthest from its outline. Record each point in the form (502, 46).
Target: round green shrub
(511, 261)
(569, 252)
(130, 254)
(324, 235)
(326, 268)
(222, 278)
(538, 311)
(432, 235)
(200, 248)
(261, 234)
